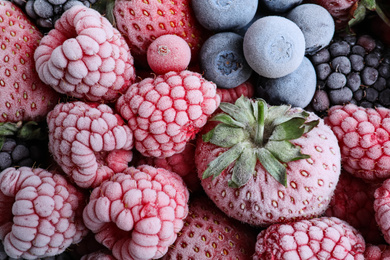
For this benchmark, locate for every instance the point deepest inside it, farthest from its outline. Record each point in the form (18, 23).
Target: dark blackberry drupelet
(46, 12)
(352, 69)
(23, 144)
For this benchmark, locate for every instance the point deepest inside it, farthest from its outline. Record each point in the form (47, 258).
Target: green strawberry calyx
(253, 131)
(22, 130)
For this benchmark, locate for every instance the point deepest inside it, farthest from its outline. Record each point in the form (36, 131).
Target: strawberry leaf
(243, 169)
(288, 130)
(226, 119)
(272, 165)
(285, 151)
(226, 136)
(220, 163)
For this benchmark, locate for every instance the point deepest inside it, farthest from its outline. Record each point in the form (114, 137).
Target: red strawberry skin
(209, 234)
(23, 95)
(141, 22)
(262, 200)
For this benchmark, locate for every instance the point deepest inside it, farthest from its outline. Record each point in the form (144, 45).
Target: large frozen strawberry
(318, 238)
(85, 57)
(89, 141)
(138, 213)
(209, 234)
(144, 21)
(24, 96)
(167, 111)
(381, 207)
(264, 165)
(353, 202)
(364, 139)
(41, 213)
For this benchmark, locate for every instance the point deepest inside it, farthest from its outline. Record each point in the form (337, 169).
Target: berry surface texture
(194, 130)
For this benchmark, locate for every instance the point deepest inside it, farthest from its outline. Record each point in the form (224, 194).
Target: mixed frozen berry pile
(179, 129)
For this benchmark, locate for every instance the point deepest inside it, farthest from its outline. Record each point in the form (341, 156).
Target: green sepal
(207, 136)
(243, 168)
(226, 119)
(285, 151)
(7, 129)
(369, 4)
(358, 16)
(220, 163)
(291, 129)
(276, 112)
(32, 130)
(235, 112)
(308, 126)
(226, 136)
(245, 105)
(261, 115)
(272, 165)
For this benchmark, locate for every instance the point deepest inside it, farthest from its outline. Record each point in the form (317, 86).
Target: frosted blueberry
(274, 46)
(43, 8)
(222, 60)
(316, 23)
(296, 89)
(223, 15)
(279, 6)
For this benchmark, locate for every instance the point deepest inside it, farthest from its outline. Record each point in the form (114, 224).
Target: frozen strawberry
(138, 213)
(353, 202)
(85, 57)
(363, 136)
(144, 21)
(265, 164)
(24, 96)
(89, 141)
(167, 111)
(181, 163)
(318, 238)
(209, 234)
(41, 213)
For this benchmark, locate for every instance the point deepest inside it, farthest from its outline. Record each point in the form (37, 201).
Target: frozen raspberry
(166, 112)
(318, 238)
(377, 252)
(168, 53)
(381, 207)
(40, 213)
(99, 255)
(85, 57)
(230, 95)
(88, 141)
(138, 213)
(181, 163)
(353, 202)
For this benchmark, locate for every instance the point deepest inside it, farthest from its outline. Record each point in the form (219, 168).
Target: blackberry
(46, 12)
(23, 145)
(352, 69)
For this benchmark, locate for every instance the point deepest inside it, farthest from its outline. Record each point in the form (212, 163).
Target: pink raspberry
(138, 213)
(181, 163)
(317, 238)
(168, 53)
(99, 255)
(85, 57)
(377, 252)
(382, 208)
(40, 213)
(230, 95)
(166, 112)
(88, 141)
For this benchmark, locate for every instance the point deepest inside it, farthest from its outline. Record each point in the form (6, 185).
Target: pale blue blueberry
(274, 46)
